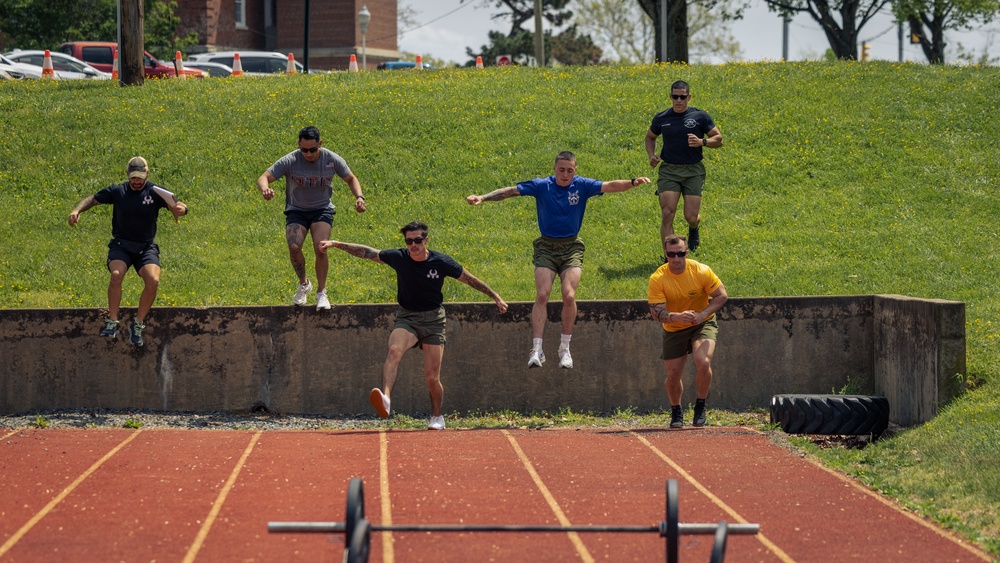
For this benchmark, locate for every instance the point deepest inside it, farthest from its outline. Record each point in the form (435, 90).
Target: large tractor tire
(831, 414)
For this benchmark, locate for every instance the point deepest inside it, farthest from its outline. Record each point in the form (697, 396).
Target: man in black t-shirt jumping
(420, 322)
(136, 207)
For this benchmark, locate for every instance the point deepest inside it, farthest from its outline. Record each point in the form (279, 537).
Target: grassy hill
(836, 178)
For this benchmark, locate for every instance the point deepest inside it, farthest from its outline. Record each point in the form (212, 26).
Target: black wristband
(633, 182)
(361, 197)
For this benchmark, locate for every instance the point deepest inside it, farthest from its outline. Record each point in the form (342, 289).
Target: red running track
(186, 495)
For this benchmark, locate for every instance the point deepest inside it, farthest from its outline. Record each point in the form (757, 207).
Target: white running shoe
(322, 302)
(536, 359)
(380, 402)
(303, 291)
(437, 423)
(565, 359)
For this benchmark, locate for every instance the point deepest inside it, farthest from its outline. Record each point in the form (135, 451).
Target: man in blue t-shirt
(309, 173)
(560, 201)
(136, 206)
(420, 322)
(686, 130)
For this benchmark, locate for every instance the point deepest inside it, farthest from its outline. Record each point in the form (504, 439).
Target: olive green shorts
(678, 344)
(558, 254)
(427, 326)
(688, 179)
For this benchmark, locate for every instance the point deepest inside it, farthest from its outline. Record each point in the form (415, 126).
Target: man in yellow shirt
(684, 296)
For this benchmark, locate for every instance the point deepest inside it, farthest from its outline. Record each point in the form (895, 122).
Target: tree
(929, 19)
(678, 29)
(982, 57)
(626, 33)
(567, 47)
(842, 36)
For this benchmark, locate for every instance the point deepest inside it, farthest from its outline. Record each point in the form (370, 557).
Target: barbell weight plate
(719, 547)
(673, 528)
(355, 507)
(360, 543)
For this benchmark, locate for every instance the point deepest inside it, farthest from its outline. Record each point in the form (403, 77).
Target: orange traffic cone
(237, 65)
(114, 67)
(47, 71)
(353, 65)
(178, 66)
(290, 66)
(479, 62)
(420, 63)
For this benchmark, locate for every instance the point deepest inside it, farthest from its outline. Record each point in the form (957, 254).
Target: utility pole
(130, 57)
(664, 7)
(305, 42)
(539, 38)
(784, 38)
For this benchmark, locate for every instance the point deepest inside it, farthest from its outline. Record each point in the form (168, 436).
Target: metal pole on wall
(539, 38)
(364, 16)
(305, 42)
(664, 6)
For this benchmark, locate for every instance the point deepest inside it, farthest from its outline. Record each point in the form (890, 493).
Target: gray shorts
(558, 254)
(688, 179)
(427, 326)
(678, 344)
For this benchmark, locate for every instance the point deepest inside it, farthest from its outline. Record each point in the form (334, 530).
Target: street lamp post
(364, 16)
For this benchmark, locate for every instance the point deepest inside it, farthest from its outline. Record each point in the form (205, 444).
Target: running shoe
(699, 415)
(437, 423)
(676, 417)
(135, 333)
(693, 239)
(536, 359)
(302, 293)
(565, 359)
(110, 329)
(380, 402)
(321, 301)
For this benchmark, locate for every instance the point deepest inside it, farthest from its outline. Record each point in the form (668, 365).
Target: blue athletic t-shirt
(135, 212)
(418, 284)
(560, 210)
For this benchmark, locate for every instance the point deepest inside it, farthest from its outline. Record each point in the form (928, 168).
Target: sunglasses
(678, 254)
(417, 240)
(309, 151)
(679, 96)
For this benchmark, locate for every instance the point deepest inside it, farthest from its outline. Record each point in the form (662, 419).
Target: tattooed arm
(85, 204)
(479, 285)
(495, 195)
(359, 250)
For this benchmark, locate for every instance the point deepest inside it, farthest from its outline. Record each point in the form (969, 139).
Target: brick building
(279, 25)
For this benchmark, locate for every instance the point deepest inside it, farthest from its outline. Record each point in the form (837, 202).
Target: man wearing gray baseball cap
(136, 206)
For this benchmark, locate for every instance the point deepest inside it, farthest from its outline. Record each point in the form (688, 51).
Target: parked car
(253, 62)
(217, 70)
(64, 65)
(18, 70)
(401, 65)
(100, 55)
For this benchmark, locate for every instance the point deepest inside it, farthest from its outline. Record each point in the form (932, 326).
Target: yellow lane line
(217, 506)
(716, 500)
(388, 554)
(574, 537)
(65, 492)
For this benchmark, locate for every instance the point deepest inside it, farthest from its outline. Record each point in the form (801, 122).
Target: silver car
(19, 70)
(253, 62)
(217, 70)
(65, 66)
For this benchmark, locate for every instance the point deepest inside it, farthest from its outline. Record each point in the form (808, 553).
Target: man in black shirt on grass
(136, 207)
(420, 322)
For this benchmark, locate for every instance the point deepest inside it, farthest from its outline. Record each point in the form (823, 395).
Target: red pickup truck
(100, 55)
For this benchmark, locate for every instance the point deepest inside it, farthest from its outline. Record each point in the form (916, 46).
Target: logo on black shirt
(148, 200)
(432, 275)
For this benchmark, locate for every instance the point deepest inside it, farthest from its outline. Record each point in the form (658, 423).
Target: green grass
(836, 178)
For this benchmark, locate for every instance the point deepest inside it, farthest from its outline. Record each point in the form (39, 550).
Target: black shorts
(137, 254)
(307, 218)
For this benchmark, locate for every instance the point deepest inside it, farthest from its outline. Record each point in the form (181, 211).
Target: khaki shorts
(558, 254)
(427, 326)
(678, 344)
(688, 179)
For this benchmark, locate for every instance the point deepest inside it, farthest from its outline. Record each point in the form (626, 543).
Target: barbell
(357, 529)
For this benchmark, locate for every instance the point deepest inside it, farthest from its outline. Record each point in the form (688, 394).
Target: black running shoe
(699, 416)
(676, 417)
(693, 239)
(135, 333)
(110, 329)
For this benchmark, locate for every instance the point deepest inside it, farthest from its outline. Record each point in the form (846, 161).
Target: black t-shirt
(418, 284)
(135, 212)
(674, 127)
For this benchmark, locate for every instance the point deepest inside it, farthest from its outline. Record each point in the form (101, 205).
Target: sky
(448, 27)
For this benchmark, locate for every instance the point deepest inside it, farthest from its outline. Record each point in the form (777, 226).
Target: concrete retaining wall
(298, 360)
